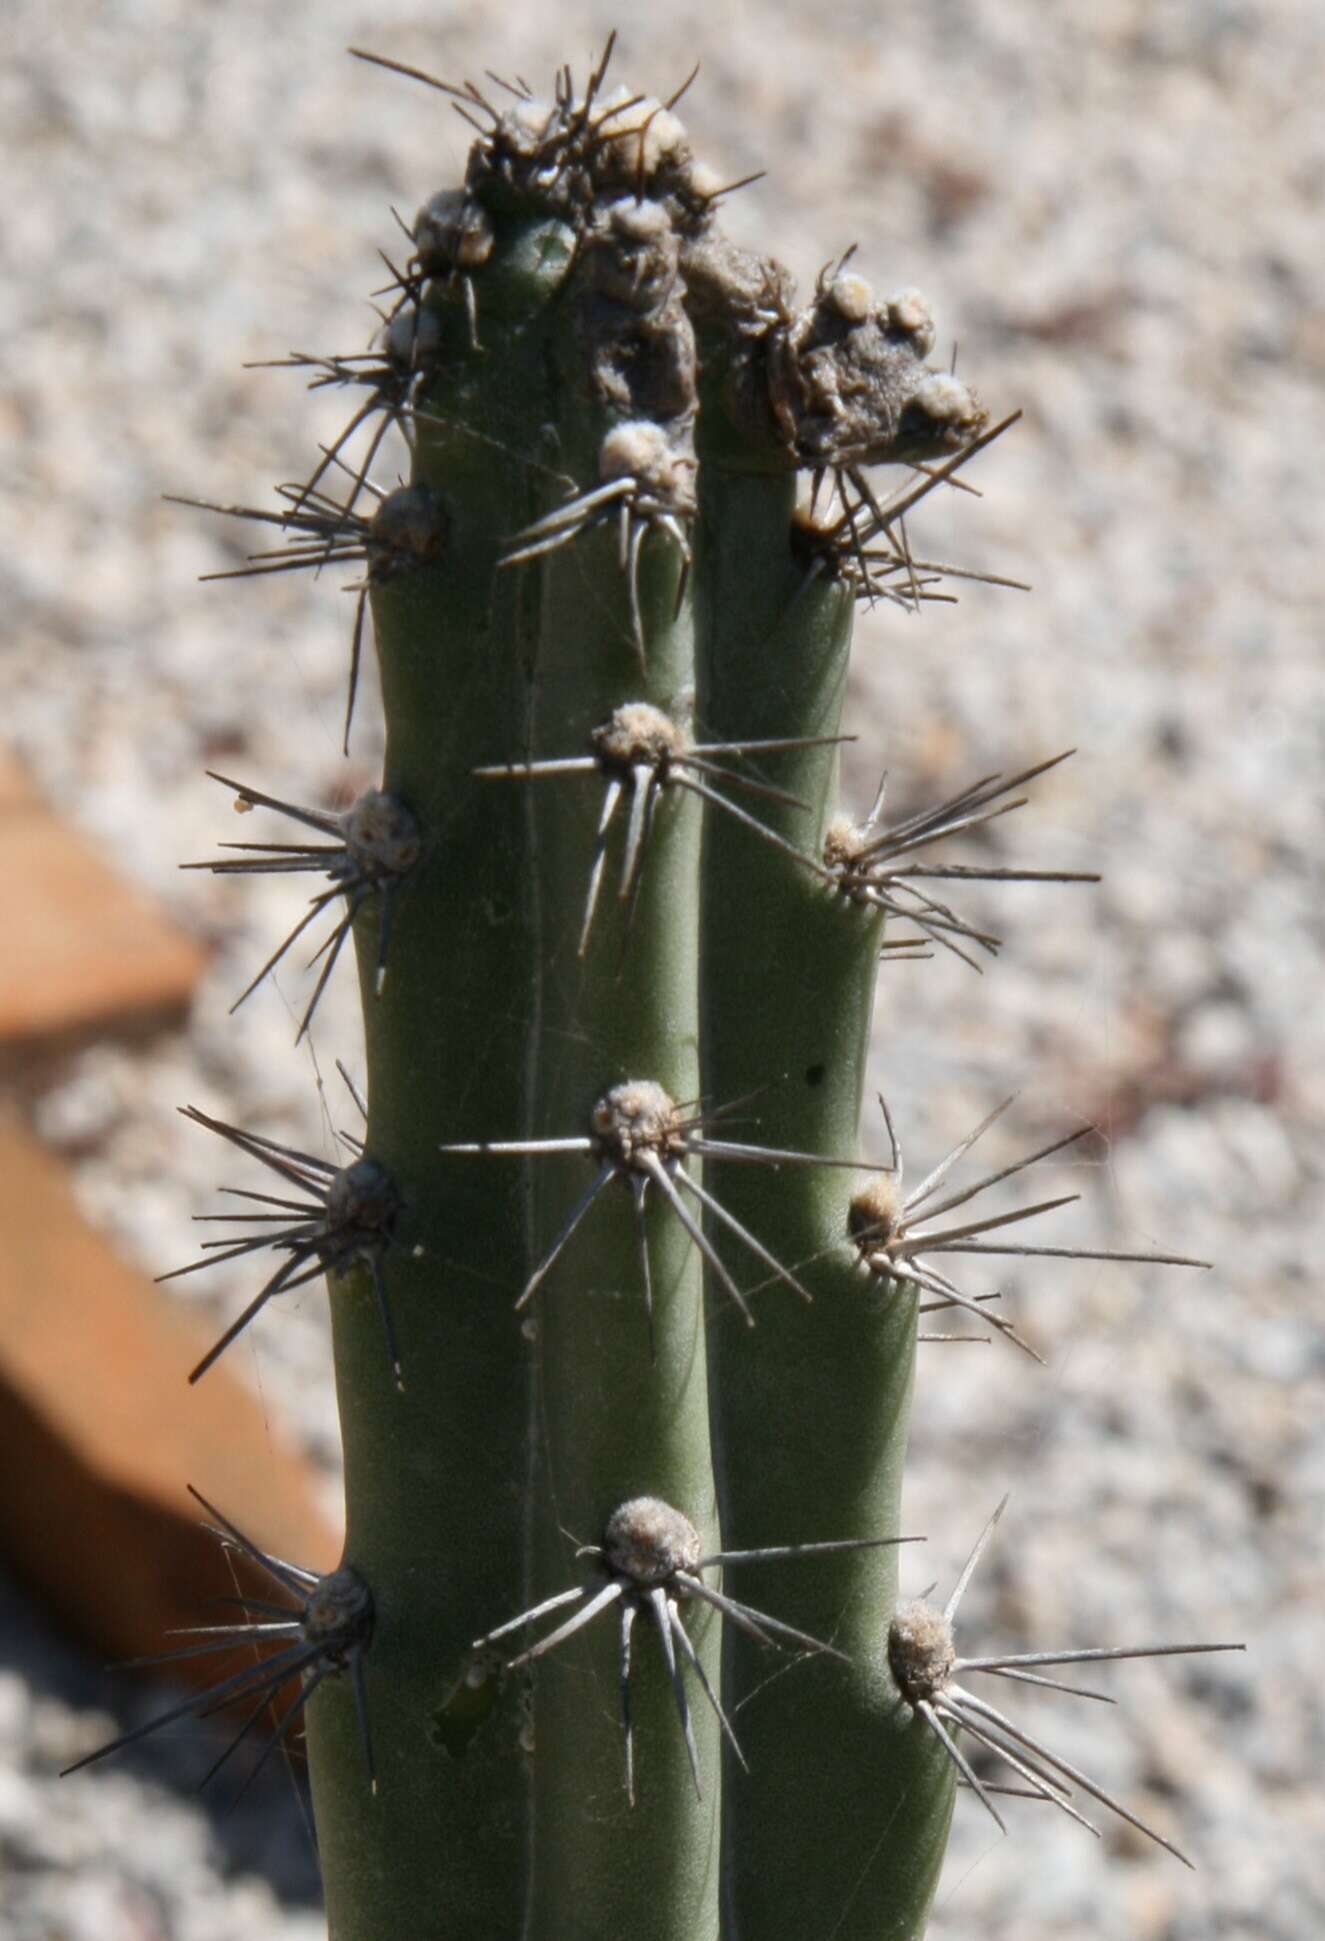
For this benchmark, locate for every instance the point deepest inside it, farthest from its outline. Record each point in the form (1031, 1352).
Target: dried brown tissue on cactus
(841, 390)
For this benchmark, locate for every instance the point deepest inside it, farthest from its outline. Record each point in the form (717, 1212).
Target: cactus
(650, 1313)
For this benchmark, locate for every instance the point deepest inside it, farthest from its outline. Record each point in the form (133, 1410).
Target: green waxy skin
(493, 1026)
(619, 1415)
(811, 1413)
(436, 1477)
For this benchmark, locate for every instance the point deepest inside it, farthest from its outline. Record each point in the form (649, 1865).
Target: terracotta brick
(101, 1432)
(16, 789)
(84, 952)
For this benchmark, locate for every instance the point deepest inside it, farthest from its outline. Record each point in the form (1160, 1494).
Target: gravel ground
(1116, 209)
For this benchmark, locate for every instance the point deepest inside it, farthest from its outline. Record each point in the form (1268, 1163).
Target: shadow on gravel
(265, 1828)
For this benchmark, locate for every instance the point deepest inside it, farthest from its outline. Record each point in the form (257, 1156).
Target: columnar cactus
(650, 1313)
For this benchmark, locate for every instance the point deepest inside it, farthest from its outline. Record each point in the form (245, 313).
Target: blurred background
(1116, 212)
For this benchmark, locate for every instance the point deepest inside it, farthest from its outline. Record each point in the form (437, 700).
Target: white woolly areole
(843, 841)
(874, 1212)
(946, 398)
(643, 136)
(454, 227)
(851, 297)
(921, 1652)
(636, 1116)
(640, 450)
(524, 127)
(909, 311)
(639, 222)
(612, 109)
(637, 733)
(705, 181)
(647, 1541)
(665, 139)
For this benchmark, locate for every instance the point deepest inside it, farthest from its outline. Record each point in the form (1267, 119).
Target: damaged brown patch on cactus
(345, 1216)
(632, 321)
(650, 1563)
(324, 1632)
(641, 751)
(410, 527)
(896, 1242)
(642, 1138)
(747, 296)
(925, 1665)
(375, 843)
(874, 867)
(849, 385)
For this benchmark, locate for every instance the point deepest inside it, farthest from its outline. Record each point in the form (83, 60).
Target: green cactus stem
(813, 1411)
(534, 1055)
(650, 1307)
